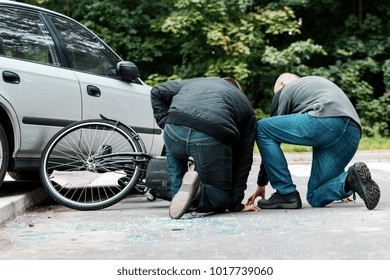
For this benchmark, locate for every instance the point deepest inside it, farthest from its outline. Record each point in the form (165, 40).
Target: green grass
(375, 143)
(366, 143)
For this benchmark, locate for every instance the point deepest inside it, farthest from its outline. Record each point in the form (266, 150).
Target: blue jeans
(213, 162)
(334, 142)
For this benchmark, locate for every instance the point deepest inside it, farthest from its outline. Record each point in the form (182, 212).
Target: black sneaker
(188, 191)
(280, 201)
(359, 181)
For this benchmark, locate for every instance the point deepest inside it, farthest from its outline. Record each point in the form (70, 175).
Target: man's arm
(262, 178)
(284, 105)
(161, 98)
(242, 163)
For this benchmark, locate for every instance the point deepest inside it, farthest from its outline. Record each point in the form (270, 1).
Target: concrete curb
(14, 205)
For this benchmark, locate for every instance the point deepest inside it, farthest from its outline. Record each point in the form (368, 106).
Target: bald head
(283, 80)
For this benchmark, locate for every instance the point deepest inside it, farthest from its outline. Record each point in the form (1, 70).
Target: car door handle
(11, 77)
(93, 91)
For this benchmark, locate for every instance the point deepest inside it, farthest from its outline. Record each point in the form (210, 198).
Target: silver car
(54, 71)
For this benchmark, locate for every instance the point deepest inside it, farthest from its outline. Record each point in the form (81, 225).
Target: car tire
(25, 175)
(4, 154)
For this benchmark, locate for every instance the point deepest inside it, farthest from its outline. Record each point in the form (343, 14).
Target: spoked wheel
(92, 164)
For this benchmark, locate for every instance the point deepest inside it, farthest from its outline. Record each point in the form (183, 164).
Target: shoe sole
(295, 205)
(183, 198)
(369, 190)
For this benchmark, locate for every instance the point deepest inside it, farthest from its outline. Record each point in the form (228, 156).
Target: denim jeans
(333, 140)
(213, 162)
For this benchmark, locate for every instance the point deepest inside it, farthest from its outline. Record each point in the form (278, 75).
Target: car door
(44, 96)
(114, 99)
(103, 93)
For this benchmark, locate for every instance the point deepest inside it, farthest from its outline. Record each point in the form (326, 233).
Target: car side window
(86, 52)
(24, 35)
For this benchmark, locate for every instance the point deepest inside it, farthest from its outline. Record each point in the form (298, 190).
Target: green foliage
(293, 56)
(376, 116)
(156, 79)
(386, 74)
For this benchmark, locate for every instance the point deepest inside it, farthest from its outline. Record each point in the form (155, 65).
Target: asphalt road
(136, 229)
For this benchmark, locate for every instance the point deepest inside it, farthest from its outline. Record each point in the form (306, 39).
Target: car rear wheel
(4, 154)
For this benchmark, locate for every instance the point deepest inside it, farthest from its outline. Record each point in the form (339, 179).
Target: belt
(351, 122)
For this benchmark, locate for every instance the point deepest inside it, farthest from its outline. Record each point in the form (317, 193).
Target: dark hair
(233, 82)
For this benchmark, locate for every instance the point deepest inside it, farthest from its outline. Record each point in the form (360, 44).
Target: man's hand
(251, 207)
(260, 191)
(348, 199)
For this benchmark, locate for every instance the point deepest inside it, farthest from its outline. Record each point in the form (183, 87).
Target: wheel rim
(85, 167)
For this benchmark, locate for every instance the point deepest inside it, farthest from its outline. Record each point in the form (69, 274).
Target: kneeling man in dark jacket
(211, 120)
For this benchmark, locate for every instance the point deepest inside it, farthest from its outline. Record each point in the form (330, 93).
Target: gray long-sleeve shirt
(314, 95)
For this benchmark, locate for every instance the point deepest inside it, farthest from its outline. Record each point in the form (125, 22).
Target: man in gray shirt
(312, 111)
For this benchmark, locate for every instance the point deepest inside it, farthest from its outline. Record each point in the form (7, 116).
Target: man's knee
(261, 126)
(313, 202)
(213, 198)
(260, 123)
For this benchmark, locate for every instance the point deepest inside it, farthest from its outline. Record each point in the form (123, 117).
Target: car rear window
(86, 52)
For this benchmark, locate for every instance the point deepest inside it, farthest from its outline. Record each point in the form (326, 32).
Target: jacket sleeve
(161, 98)
(242, 163)
(262, 178)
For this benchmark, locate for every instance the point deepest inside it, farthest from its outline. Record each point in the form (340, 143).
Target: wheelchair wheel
(92, 164)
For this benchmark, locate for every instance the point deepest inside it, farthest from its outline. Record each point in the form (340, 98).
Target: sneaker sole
(182, 200)
(370, 192)
(295, 205)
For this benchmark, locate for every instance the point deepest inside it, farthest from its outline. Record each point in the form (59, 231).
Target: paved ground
(138, 229)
